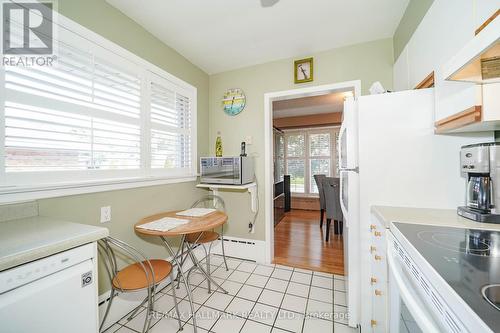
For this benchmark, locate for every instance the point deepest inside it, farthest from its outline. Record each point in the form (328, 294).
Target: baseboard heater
(241, 248)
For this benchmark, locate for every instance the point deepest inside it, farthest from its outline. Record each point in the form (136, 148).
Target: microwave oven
(226, 170)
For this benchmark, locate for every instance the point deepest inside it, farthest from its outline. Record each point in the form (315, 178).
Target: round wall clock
(233, 101)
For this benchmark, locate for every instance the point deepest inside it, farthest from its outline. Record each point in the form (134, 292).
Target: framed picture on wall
(303, 70)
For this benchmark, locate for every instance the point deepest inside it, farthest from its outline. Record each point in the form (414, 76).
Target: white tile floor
(261, 299)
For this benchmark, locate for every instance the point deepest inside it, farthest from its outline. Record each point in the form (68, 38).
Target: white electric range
(443, 279)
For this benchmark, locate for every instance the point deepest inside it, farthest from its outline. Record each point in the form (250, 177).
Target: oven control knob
(378, 292)
(373, 280)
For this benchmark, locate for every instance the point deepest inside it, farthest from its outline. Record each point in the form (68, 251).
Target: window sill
(11, 194)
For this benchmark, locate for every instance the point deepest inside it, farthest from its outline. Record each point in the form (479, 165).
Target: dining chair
(141, 274)
(322, 206)
(209, 237)
(331, 188)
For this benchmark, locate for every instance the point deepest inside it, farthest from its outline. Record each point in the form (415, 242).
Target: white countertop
(428, 216)
(28, 239)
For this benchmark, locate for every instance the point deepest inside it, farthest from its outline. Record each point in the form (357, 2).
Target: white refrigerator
(389, 155)
(349, 203)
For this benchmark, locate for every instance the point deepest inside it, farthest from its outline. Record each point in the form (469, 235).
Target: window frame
(303, 158)
(104, 180)
(307, 155)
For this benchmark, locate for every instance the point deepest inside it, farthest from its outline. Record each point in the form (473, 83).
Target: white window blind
(82, 114)
(320, 156)
(295, 160)
(40, 139)
(170, 127)
(310, 152)
(98, 113)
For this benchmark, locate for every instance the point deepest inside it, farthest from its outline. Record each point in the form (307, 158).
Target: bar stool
(143, 274)
(208, 237)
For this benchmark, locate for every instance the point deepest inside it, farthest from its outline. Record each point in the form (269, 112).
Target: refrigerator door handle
(342, 137)
(341, 194)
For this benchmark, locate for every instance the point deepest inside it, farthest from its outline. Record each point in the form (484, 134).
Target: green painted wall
(368, 62)
(414, 13)
(127, 208)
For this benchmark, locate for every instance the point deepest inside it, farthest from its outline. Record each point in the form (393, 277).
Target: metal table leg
(181, 254)
(188, 289)
(198, 266)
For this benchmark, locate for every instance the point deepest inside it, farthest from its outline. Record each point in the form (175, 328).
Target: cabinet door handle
(377, 257)
(372, 249)
(372, 226)
(378, 292)
(373, 323)
(378, 234)
(373, 280)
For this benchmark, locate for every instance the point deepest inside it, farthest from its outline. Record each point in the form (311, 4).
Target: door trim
(269, 98)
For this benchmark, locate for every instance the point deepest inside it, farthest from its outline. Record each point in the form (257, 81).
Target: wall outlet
(248, 140)
(106, 214)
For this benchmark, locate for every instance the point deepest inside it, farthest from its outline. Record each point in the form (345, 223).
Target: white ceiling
(220, 35)
(303, 106)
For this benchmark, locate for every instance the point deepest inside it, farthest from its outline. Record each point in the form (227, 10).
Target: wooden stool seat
(133, 277)
(207, 237)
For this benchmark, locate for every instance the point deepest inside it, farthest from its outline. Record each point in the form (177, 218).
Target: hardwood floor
(300, 242)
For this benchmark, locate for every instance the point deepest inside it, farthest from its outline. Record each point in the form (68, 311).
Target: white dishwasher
(56, 294)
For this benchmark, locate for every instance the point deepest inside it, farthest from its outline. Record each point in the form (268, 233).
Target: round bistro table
(195, 225)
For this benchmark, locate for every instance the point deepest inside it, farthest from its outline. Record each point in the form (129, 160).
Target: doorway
(306, 116)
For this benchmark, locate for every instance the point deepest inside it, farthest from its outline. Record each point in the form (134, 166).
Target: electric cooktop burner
(492, 294)
(467, 259)
(470, 244)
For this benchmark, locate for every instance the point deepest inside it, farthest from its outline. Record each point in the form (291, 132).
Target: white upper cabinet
(444, 30)
(439, 36)
(456, 25)
(447, 27)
